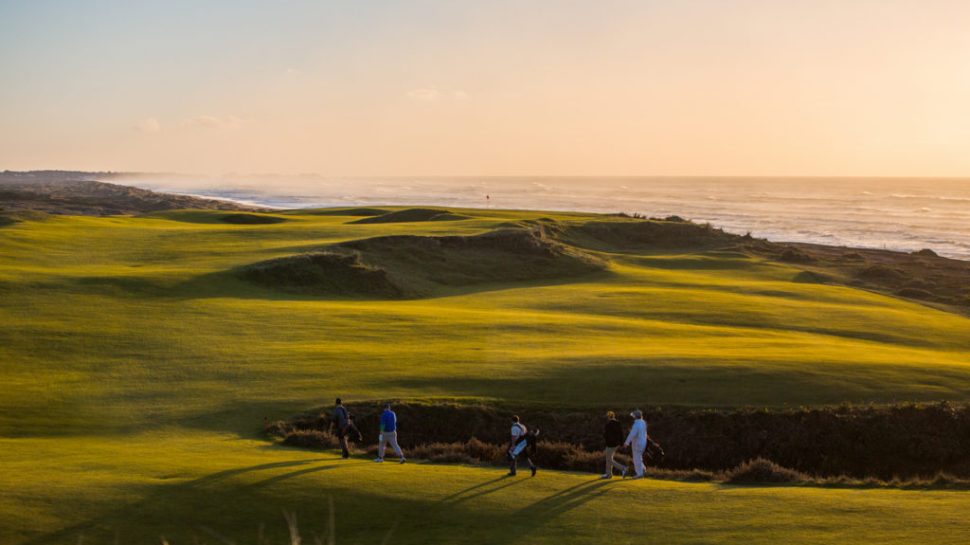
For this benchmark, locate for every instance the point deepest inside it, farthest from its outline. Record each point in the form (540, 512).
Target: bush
(761, 470)
(311, 439)
(911, 440)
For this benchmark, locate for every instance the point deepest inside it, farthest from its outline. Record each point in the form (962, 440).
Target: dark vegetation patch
(923, 275)
(413, 215)
(250, 219)
(914, 293)
(668, 234)
(881, 273)
(760, 470)
(912, 443)
(812, 277)
(941, 280)
(322, 273)
(417, 266)
(793, 255)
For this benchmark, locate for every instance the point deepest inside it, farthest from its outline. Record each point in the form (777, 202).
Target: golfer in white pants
(638, 440)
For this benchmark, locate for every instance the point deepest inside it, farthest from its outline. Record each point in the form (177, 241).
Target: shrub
(311, 439)
(761, 470)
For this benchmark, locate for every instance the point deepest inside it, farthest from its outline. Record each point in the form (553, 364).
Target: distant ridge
(75, 193)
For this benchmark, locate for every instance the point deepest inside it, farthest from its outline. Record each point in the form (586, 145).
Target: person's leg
(608, 454)
(381, 442)
(344, 446)
(392, 439)
(617, 465)
(512, 461)
(532, 465)
(638, 460)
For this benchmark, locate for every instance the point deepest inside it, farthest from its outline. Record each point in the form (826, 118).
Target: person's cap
(637, 413)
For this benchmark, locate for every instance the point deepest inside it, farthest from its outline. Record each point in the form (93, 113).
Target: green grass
(177, 484)
(129, 353)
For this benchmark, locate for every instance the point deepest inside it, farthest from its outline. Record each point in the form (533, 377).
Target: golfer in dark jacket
(613, 437)
(341, 421)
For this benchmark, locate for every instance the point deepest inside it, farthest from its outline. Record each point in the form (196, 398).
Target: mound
(881, 273)
(647, 235)
(412, 215)
(760, 471)
(504, 255)
(348, 212)
(251, 219)
(321, 273)
(417, 266)
(812, 277)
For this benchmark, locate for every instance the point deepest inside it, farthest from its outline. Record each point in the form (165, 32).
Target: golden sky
(648, 87)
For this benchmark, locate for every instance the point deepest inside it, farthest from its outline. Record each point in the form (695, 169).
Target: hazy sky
(715, 87)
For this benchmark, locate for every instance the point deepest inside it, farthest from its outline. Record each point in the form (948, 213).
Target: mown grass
(186, 486)
(130, 352)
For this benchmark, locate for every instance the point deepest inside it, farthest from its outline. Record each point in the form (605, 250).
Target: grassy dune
(137, 368)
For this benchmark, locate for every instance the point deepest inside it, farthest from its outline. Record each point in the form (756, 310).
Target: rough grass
(135, 373)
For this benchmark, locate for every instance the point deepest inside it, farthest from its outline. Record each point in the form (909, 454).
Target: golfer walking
(637, 439)
(613, 438)
(388, 434)
(522, 442)
(341, 421)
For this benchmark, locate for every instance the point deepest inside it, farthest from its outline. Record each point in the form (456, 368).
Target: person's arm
(631, 436)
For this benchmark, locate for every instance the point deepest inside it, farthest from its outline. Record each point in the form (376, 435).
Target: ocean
(905, 214)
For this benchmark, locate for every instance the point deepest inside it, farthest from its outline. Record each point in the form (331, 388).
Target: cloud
(149, 124)
(426, 94)
(212, 122)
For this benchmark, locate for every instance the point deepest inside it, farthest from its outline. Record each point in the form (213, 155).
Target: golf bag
(653, 453)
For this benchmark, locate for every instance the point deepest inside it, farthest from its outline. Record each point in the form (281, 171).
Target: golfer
(637, 439)
(521, 442)
(613, 438)
(341, 423)
(388, 434)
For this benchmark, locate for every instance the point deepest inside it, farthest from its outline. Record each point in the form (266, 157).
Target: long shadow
(565, 499)
(290, 475)
(466, 497)
(452, 496)
(170, 492)
(537, 515)
(238, 471)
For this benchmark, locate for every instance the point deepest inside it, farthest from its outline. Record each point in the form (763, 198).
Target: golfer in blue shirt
(388, 434)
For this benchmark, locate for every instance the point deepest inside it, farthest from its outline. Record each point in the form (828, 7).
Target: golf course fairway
(138, 364)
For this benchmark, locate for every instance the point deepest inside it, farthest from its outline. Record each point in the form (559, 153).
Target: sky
(404, 88)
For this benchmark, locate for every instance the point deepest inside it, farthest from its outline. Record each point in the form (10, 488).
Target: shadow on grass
(699, 384)
(217, 504)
